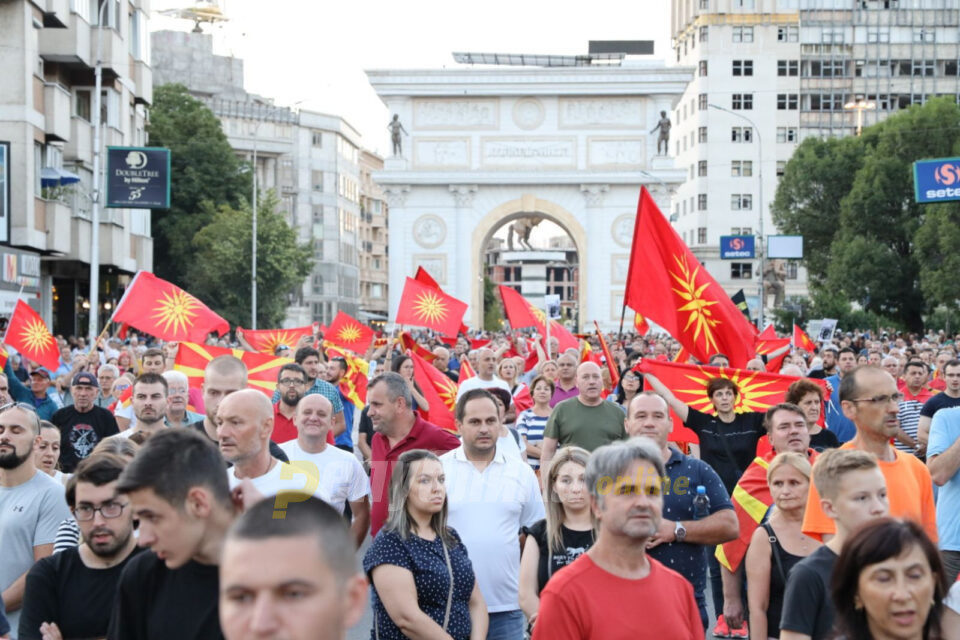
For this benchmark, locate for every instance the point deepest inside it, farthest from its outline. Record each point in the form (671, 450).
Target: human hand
(49, 631)
(245, 495)
(667, 532)
(733, 613)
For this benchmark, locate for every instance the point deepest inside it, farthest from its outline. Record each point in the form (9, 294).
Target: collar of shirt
(675, 458)
(460, 455)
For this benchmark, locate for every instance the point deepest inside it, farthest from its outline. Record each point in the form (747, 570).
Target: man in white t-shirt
(244, 425)
(485, 378)
(341, 475)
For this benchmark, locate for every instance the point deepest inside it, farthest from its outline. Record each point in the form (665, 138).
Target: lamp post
(253, 240)
(860, 105)
(93, 320)
(760, 249)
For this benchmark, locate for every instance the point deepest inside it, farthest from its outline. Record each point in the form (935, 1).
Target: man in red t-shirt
(292, 383)
(397, 429)
(597, 595)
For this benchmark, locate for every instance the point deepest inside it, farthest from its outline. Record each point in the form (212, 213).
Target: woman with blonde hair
(778, 543)
(565, 534)
(423, 581)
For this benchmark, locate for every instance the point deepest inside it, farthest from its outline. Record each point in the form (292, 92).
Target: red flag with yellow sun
(166, 311)
(262, 369)
(267, 340)
(27, 333)
(424, 306)
(520, 314)
(438, 390)
(667, 284)
(353, 384)
(348, 333)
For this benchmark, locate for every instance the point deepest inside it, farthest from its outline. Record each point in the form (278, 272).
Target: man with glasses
(83, 424)
(31, 505)
(106, 374)
(178, 390)
(71, 594)
(869, 398)
(291, 383)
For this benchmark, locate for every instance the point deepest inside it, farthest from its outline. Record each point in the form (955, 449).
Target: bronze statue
(664, 126)
(395, 129)
(774, 282)
(522, 228)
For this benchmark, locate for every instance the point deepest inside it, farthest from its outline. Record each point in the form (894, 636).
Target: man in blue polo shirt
(681, 542)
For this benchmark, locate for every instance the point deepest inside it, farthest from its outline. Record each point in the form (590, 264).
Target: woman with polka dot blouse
(423, 582)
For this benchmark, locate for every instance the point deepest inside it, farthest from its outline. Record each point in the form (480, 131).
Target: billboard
(737, 247)
(785, 247)
(936, 180)
(138, 177)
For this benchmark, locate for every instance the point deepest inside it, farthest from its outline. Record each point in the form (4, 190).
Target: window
(703, 68)
(741, 134)
(110, 108)
(878, 35)
(317, 139)
(692, 170)
(741, 201)
(701, 134)
(924, 67)
(703, 34)
(923, 35)
(702, 102)
(702, 168)
(747, 231)
(787, 67)
(317, 180)
(741, 270)
(37, 168)
(831, 36)
(743, 67)
(791, 270)
(826, 101)
(704, 4)
(787, 33)
(786, 101)
(827, 68)
(742, 101)
(702, 202)
(786, 134)
(82, 103)
(781, 167)
(743, 34)
(741, 168)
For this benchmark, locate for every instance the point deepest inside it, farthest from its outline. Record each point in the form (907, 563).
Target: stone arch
(523, 206)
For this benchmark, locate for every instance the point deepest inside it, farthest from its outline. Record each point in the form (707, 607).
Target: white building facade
(484, 146)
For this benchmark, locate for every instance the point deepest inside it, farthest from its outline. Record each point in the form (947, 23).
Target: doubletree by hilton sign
(138, 177)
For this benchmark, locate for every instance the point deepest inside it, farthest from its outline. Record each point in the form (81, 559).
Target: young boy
(852, 492)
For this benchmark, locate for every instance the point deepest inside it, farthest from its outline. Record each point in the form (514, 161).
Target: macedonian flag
(163, 309)
(438, 390)
(423, 276)
(262, 369)
(424, 306)
(27, 333)
(267, 340)
(348, 333)
(520, 313)
(667, 284)
(354, 382)
(802, 341)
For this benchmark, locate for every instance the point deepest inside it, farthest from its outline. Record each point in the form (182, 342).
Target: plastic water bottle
(701, 503)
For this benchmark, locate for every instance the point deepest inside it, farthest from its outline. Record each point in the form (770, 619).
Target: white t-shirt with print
(341, 475)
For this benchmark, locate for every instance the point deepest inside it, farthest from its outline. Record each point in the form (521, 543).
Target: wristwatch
(680, 532)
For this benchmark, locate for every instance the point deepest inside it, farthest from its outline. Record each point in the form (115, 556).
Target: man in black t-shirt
(83, 424)
(853, 491)
(949, 397)
(72, 592)
(178, 489)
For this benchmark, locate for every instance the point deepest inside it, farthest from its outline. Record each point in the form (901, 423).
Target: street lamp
(760, 249)
(860, 105)
(93, 321)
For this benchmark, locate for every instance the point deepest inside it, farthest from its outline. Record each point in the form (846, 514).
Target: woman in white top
(47, 453)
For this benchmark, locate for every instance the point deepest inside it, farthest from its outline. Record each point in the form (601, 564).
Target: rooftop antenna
(203, 11)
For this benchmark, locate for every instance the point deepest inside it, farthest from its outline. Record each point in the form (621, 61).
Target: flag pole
(623, 312)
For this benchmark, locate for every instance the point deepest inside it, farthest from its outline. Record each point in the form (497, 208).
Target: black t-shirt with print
(575, 544)
(80, 433)
(741, 438)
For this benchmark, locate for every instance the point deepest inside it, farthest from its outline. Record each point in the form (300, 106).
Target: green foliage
(222, 277)
(205, 174)
(492, 313)
(864, 237)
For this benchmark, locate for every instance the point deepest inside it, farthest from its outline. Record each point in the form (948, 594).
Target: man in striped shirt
(915, 393)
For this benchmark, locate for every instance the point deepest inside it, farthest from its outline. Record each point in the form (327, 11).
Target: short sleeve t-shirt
(341, 475)
(531, 427)
(909, 415)
(741, 437)
(807, 604)
(284, 476)
(80, 433)
(575, 544)
(823, 440)
(30, 514)
(573, 422)
(944, 431)
(937, 402)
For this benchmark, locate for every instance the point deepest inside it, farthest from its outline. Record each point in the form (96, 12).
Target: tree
(204, 169)
(865, 237)
(221, 277)
(492, 313)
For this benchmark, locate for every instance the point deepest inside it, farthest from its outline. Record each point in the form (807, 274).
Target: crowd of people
(562, 505)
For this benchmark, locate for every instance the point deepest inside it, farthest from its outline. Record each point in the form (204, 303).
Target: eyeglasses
(83, 513)
(289, 382)
(884, 399)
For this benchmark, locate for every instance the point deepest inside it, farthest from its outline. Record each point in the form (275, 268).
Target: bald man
(585, 420)
(244, 426)
(341, 475)
(442, 362)
(566, 383)
(486, 377)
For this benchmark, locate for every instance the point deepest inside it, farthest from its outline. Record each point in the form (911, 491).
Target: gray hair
(107, 368)
(396, 387)
(173, 377)
(611, 461)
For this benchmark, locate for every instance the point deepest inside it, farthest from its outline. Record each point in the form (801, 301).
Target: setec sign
(737, 247)
(936, 180)
(138, 177)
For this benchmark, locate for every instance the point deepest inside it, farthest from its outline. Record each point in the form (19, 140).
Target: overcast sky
(315, 52)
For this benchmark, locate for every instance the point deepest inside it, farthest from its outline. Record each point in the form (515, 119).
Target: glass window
(702, 202)
(703, 68)
(702, 102)
(786, 101)
(703, 34)
(787, 67)
(701, 134)
(742, 67)
(741, 270)
(741, 201)
(742, 101)
(702, 168)
(787, 33)
(702, 235)
(743, 34)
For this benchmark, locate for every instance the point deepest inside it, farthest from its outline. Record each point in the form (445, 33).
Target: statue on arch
(522, 228)
(396, 128)
(664, 126)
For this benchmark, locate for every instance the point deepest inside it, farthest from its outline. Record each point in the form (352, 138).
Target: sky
(312, 53)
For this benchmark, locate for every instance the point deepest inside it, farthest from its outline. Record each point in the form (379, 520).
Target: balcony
(56, 14)
(378, 221)
(143, 81)
(58, 227)
(115, 248)
(67, 46)
(113, 53)
(80, 239)
(112, 137)
(56, 109)
(80, 144)
(141, 248)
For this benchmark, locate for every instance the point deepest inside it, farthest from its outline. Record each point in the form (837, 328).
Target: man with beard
(31, 506)
(70, 594)
(291, 383)
(149, 404)
(83, 424)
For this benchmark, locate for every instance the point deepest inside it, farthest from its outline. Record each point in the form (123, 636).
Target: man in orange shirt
(869, 397)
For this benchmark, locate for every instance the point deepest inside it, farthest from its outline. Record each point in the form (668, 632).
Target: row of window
(738, 168)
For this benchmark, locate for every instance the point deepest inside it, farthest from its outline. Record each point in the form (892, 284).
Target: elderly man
(106, 374)
(83, 424)
(486, 376)
(566, 383)
(442, 362)
(586, 420)
(36, 395)
(684, 535)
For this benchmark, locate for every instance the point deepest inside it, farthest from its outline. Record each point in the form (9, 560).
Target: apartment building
(373, 241)
(48, 57)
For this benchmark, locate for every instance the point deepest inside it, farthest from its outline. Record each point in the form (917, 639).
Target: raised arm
(680, 408)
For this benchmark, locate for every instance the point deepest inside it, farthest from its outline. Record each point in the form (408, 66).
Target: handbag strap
(446, 556)
(775, 546)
